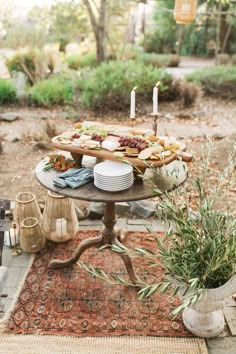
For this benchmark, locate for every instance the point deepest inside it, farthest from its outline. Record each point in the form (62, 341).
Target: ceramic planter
(205, 318)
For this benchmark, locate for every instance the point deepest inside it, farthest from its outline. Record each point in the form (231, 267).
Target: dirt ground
(27, 139)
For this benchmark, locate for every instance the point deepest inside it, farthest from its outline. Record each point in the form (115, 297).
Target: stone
(222, 345)
(1, 147)
(218, 136)
(122, 208)
(169, 116)
(95, 210)
(9, 117)
(198, 114)
(184, 115)
(79, 213)
(143, 208)
(15, 139)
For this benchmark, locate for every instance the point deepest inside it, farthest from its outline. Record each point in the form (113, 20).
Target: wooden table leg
(83, 246)
(110, 238)
(107, 238)
(77, 157)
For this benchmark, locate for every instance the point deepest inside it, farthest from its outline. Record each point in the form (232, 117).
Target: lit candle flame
(134, 88)
(158, 83)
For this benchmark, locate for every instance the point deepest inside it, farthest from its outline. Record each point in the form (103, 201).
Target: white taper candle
(155, 98)
(132, 103)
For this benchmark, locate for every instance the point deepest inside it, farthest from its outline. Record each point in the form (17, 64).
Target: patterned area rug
(71, 302)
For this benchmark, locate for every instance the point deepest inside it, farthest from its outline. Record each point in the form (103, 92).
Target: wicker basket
(59, 221)
(185, 10)
(32, 239)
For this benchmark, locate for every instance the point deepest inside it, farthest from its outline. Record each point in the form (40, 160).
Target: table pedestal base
(108, 237)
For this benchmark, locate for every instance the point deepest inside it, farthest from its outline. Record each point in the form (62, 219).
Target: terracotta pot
(59, 221)
(32, 239)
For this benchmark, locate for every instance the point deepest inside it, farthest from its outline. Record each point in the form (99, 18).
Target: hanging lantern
(185, 11)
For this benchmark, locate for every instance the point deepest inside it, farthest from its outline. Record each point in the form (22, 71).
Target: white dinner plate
(112, 169)
(109, 189)
(114, 186)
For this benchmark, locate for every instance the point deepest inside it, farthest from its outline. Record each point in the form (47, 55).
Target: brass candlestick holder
(132, 122)
(155, 121)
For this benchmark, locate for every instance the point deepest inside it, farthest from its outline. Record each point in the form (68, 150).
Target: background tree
(97, 14)
(69, 22)
(6, 18)
(64, 21)
(111, 21)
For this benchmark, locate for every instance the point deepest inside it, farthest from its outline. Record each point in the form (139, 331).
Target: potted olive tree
(198, 252)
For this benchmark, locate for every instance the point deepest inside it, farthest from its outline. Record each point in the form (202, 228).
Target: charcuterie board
(108, 142)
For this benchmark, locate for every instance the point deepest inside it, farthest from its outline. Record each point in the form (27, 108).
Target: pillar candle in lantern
(11, 237)
(155, 98)
(61, 226)
(132, 103)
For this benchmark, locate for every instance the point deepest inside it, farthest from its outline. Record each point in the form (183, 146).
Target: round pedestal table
(140, 190)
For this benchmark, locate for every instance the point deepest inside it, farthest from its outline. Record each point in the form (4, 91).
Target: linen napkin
(74, 177)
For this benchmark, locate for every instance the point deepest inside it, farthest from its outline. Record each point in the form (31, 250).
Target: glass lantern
(11, 237)
(185, 11)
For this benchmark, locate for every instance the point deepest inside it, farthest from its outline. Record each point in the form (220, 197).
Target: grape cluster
(98, 137)
(75, 136)
(133, 142)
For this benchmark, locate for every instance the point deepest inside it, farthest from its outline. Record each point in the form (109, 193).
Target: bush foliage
(31, 62)
(160, 60)
(218, 80)
(77, 61)
(109, 85)
(7, 92)
(55, 90)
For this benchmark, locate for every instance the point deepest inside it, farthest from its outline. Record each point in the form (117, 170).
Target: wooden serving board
(77, 152)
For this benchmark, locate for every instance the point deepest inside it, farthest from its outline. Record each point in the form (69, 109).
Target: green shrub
(31, 62)
(109, 85)
(154, 59)
(233, 59)
(223, 59)
(219, 80)
(159, 60)
(55, 90)
(7, 92)
(76, 61)
(129, 52)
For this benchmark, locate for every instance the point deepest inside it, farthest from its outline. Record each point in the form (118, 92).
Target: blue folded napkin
(74, 177)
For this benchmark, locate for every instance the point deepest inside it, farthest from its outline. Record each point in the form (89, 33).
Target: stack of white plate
(113, 176)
